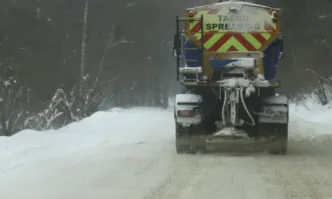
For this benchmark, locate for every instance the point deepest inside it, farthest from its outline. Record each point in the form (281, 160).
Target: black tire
(279, 135)
(279, 147)
(280, 140)
(180, 137)
(186, 143)
(180, 148)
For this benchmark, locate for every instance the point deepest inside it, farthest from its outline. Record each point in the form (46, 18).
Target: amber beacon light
(191, 13)
(275, 15)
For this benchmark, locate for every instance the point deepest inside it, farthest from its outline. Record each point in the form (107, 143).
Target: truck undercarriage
(200, 119)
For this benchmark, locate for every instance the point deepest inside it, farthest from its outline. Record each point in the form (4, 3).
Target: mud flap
(189, 139)
(278, 135)
(273, 123)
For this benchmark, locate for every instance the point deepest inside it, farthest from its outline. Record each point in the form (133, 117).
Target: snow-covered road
(130, 154)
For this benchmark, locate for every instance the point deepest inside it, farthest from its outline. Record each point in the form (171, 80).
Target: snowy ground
(130, 154)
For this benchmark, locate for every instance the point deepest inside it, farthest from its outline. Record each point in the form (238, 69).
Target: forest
(63, 60)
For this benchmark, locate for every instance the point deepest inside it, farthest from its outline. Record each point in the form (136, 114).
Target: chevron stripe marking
(197, 27)
(213, 40)
(252, 40)
(266, 36)
(244, 42)
(232, 48)
(232, 42)
(259, 38)
(220, 42)
(207, 36)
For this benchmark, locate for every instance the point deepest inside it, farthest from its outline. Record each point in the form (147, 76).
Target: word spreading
(237, 23)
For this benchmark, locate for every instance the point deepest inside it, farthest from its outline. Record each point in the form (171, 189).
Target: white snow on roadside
(311, 110)
(113, 128)
(112, 152)
(119, 126)
(310, 120)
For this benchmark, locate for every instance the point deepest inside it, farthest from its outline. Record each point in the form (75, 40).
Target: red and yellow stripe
(216, 41)
(232, 41)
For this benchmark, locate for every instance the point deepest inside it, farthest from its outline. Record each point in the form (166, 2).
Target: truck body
(227, 55)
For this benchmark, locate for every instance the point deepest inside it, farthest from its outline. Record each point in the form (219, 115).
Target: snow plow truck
(226, 56)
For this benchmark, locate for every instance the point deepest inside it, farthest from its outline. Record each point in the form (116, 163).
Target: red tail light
(186, 113)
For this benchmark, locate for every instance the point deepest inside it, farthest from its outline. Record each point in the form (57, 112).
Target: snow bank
(310, 120)
(113, 128)
(311, 110)
(132, 126)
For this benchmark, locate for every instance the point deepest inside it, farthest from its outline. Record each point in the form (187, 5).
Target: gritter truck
(226, 56)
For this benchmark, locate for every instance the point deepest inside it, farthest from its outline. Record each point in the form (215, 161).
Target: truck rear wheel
(278, 147)
(182, 141)
(280, 140)
(187, 141)
(279, 135)
(180, 148)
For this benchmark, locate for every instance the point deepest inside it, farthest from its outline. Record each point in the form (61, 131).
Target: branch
(83, 47)
(54, 116)
(319, 76)
(122, 41)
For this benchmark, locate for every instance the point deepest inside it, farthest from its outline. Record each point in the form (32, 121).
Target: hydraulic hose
(224, 107)
(245, 108)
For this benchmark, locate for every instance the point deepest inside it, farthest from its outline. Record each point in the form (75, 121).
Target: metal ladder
(178, 58)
